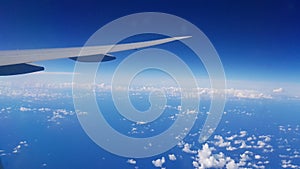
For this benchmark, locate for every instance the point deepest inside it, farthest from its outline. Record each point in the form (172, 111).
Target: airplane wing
(15, 62)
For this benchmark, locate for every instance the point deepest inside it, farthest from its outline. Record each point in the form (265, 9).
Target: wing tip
(181, 37)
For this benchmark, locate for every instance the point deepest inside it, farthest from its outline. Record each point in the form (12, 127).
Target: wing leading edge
(16, 61)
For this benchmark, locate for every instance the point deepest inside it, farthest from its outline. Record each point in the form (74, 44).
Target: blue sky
(256, 40)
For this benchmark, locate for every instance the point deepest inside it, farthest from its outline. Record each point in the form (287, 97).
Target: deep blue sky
(257, 40)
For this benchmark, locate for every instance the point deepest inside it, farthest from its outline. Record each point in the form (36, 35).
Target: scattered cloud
(187, 149)
(257, 157)
(205, 159)
(289, 155)
(23, 109)
(61, 114)
(21, 144)
(288, 164)
(131, 161)
(243, 133)
(231, 137)
(159, 162)
(212, 153)
(230, 148)
(232, 165)
(172, 157)
(220, 142)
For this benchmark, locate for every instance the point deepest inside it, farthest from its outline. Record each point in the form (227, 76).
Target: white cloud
(180, 144)
(60, 114)
(18, 148)
(44, 109)
(172, 157)
(230, 148)
(131, 161)
(195, 164)
(205, 159)
(244, 145)
(220, 142)
(245, 156)
(187, 149)
(231, 137)
(260, 144)
(258, 166)
(141, 122)
(232, 165)
(249, 139)
(82, 113)
(278, 90)
(288, 164)
(247, 94)
(159, 162)
(238, 141)
(243, 133)
(25, 109)
(257, 157)
(266, 138)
